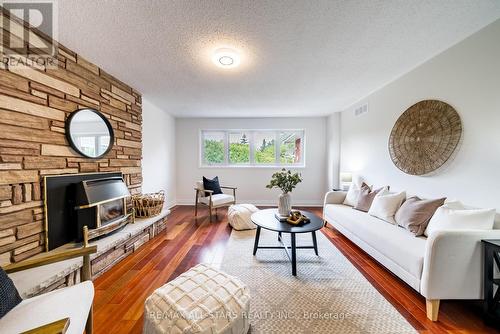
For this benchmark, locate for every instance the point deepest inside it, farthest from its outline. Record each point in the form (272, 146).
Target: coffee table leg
(294, 255)
(256, 244)
(279, 236)
(315, 242)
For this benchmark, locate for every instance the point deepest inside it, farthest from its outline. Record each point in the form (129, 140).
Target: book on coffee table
(280, 217)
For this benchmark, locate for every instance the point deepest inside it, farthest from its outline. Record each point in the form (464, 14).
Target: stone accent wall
(34, 104)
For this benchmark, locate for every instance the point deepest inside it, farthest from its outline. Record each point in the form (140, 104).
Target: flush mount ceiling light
(226, 58)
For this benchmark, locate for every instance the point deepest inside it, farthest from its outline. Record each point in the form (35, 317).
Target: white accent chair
(67, 310)
(213, 201)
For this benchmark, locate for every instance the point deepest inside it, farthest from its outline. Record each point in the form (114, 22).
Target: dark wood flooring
(121, 292)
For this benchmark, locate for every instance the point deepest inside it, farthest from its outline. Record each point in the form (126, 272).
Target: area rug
(329, 295)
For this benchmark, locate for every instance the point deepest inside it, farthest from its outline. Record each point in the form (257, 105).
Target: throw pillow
(415, 213)
(457, 217)
(351, 198)
(366, 196)
(9, 297)
(385, 205)
(212, 185)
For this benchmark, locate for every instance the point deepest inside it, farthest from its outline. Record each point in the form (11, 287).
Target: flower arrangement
(284, 180)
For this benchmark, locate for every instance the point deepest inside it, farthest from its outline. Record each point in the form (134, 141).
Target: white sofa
(446, 265)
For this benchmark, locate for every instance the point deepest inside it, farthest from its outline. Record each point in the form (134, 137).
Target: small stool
(201, 300)
(239, 215)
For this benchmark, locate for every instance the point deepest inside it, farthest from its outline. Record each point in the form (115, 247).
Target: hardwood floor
(120, 292)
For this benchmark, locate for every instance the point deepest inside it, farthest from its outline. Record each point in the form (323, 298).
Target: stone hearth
(110, 250)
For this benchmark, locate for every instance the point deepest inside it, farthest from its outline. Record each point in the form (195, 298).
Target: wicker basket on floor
(148, 205)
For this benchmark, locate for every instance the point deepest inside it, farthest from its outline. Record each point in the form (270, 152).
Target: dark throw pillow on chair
(212, 185)
(9, 297)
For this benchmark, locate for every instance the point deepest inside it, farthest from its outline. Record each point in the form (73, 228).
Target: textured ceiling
(299, 58)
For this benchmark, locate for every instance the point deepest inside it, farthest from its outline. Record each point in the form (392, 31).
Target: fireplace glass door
(110, 211)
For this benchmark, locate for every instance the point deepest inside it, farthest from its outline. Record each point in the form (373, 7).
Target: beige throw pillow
(366, 196)
(415, 213)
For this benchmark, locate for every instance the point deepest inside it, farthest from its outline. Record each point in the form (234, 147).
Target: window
(252, 148)
(239, 148)
(265, 147)
(214, 148)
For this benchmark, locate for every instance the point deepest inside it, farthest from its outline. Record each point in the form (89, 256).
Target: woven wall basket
(425, 137)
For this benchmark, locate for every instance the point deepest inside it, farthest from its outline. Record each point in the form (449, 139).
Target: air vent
(361, 110)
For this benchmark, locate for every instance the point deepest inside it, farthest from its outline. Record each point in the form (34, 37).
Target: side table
(491, 297)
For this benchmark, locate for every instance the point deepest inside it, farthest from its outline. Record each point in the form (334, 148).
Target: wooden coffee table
(265, 219)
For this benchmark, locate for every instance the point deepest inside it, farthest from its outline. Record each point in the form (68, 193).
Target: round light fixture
(226, 58)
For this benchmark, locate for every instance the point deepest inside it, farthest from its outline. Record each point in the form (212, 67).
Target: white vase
(285, 204)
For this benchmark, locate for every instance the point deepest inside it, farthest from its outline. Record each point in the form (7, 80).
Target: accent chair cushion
(457, 217)
(73, 302)
(366, 196)
(219, 199)
(385, 205)
(213, 185)
(9, 296)
(415, 213)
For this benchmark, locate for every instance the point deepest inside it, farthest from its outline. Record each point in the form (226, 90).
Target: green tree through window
(239, 148)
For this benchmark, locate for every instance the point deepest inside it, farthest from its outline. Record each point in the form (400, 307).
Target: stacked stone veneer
(34, 104)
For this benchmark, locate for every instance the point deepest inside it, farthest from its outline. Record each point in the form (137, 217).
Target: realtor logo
(23, 45)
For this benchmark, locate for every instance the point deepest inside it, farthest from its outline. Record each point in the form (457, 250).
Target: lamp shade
(345, 177)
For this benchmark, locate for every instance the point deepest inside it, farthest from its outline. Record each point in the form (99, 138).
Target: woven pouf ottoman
(202, 300)
(239, 215)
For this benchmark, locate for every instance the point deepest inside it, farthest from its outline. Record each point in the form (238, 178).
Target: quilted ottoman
(239, 216)
(201, 300)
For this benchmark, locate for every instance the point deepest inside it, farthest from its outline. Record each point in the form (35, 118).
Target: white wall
(251, 182)
(467, 76)
(158, 151)
(333, 150)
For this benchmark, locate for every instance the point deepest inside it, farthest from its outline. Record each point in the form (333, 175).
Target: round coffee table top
(266, 219)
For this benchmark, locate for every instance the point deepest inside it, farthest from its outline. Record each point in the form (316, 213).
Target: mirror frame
(72, 143)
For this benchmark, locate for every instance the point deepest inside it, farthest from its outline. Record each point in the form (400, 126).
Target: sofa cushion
(218, 199)
(72, 302)
(415, 213)
(392, 241)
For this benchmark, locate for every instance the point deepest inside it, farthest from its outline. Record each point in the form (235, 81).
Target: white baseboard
(312, 203)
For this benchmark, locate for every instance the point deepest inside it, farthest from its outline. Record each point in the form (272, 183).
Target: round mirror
(89, 133)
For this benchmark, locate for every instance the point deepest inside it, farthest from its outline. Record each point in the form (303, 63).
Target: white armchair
(67, 310)
(213, 201)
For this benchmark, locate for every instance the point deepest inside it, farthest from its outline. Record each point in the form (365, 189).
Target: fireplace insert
(100, 201)
(101, 206)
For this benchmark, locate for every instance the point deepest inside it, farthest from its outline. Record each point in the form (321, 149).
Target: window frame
(251, 164)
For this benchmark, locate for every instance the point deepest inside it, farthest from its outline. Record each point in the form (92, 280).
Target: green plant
(285, 180)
